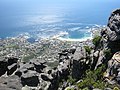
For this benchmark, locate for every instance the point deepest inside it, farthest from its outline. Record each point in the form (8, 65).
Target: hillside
(92, 65)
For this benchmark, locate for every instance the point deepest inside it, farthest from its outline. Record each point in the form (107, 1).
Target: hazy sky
(54, 7)
(34, 4)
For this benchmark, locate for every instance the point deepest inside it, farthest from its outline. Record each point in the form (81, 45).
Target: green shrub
(99, 84)
(88, 49)
(96, 40)
(12, 46)
(71, 80)
(107, 52)
(85, 88)
(93, 78)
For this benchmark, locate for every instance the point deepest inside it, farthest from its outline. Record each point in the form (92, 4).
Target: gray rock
(46, 77)
(114, 21)
(44, 85)
(39, 65)
(27, 66)
(30, 79)
(63, 69)
(79, 54)
(100, 59)
(24, 69)
(12, 60)
(25, 88)
(11, 69)
(10, 83)
(79, 62)
(113, 68)
(96, 54)
(111, 35)
(8, 64)
(3, 67)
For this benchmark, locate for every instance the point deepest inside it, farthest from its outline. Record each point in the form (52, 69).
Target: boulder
(79, 54)
(113, 70)
(27, 66)
(63, 69)
(96, 54)
(10, 83)
(24, 69)
(79, 62)
(44, 85)
(8, 65)
(30, 79)
(25, 88)
(3, 66)
(100, 59)
(39, 65)
(46, 77)
(11, 69)
(12, 60)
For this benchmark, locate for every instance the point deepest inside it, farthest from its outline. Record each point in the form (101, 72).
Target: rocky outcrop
(63, 69)
(3, 67)
(10, 83)
(11, 69)
(36, 74)
(113, 70)
(8, 65)
(39, 65)
(26, 73)
(114, 21)
(30, 79)
(79, 58)
(100, 59)
(111, 35)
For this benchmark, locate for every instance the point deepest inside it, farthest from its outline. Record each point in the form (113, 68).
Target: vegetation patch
(88, 49)
(107, 52)
(96, 40)
(71, 80)
(93, 79)
(28, 57)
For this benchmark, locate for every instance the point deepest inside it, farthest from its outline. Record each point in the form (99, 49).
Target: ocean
(68, 19)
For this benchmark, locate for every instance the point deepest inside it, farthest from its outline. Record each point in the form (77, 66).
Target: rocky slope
(87, 67)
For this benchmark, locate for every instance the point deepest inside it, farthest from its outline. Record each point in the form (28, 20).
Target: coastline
(75, 40)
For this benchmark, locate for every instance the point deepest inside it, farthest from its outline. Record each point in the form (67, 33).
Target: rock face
(81, 62)
(113, 69)
(3, 67)
(114, 21)
(11, 69)
(8, 65)
(100, 60)
(20, 74)
(34, 74)
(78, 62)
(111, 40)
(30, 79)
(111, 35)
(10, 83)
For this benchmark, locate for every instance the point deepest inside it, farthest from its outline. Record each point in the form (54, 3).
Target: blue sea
(46, 18)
